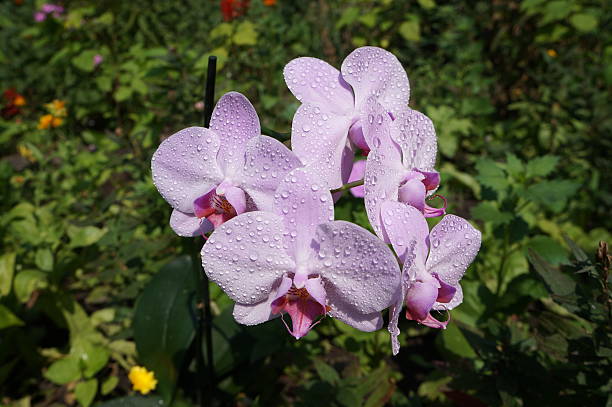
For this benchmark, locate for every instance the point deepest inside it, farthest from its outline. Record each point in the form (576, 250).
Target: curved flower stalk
(328, 124)
(433, 263)
(400, 166)
(211, 175)
(297, 260)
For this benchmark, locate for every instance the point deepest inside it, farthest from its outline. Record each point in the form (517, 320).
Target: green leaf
(348, 17)
(7, 269)
(584, 22)
(491, 175)
(427, 4)
(133, 401)
(245, 34)
(488, 212)
(85, 60)
(553, 194)
(84, 236)
(549, 249)
(164, 325)
(411, 29)
(453, 340)
(7, 318)
(44, 259)
(27, 281)
(541, 166)
(85, 392)
(123, 93)
(327, 373)
(64, 370)
(557, 282)
(514, 166)
(109, 385)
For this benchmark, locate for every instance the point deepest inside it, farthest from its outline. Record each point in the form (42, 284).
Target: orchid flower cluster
(274, 246)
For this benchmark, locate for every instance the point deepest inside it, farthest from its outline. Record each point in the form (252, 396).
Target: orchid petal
(415, 134)
(314, 81)
(188, 225)
(373, 71)
(245, 257)
(303, 202)
(319, 138)
(420, 297)
(315, 288)
(449, 305)
(267, 162)
(454, 245)
(357, 173)
(408, 231)
(360, 267)
(384, 170)
(235, 121)
(413, 193)
(184, 166)
(237, 198)
(446, 292)
(344, 311)
(408, 269)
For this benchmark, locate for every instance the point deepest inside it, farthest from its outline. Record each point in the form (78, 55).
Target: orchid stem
(275, 134)
(348, 186)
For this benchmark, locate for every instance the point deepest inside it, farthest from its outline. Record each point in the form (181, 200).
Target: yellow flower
(57, 108)
(142, 380)
(552, 53)
(26, 153)
(57, 121)
(19, 101)
(45, 122)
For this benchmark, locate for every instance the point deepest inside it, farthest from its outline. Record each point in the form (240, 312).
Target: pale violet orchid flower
(211, 175)
(297, 260)
(433, 263)
(328, 124)
(400, 166)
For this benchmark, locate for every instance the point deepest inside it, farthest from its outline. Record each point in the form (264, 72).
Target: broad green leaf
(133, 401)
(7, 318)
(326, 372)
(123, 93)
(553, 194)
(557, 282)
(7, 269)
(85, 60)
(81, 236)
(541, 166)
(64, 370)
(584, 22)
(549, 249)
(222, 30)
(164, 323)
(488, 212)
(427, 4)
(109, 385)
(245, 34)
(514, 166)
(85, 392)
(491, 175)
(410, 30)
(348, 17)
(27, 281)
(453, 340)
(44, 259)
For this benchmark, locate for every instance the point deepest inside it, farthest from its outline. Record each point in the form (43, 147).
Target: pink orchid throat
(303, 309)
(421, 297)
(413, 191)
(214, 207)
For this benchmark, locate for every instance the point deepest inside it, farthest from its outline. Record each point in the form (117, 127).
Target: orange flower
(269, 2)
(57, 108)
(19, 101)
(45, 122)
(552, 53)
(57, 121)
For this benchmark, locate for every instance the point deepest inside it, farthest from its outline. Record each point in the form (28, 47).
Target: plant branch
(348, 186)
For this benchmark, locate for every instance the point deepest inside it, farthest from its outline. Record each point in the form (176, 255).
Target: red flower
(12, 102)
(233, 8)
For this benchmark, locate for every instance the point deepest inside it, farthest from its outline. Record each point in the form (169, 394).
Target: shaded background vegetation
(519, 93)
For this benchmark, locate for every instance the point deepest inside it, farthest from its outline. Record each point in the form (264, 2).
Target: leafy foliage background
(519, 93)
